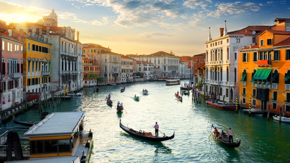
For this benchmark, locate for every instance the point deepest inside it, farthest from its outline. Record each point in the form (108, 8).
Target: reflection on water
(262, 140)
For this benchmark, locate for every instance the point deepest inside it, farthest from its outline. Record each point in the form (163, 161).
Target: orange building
(91, 71)
(187, 59)
(264, 70)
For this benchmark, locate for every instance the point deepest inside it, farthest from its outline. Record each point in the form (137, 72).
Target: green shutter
(287, 77)
(275, 76)
(243, 77)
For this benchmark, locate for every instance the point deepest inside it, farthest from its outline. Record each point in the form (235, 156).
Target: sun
(17, 18)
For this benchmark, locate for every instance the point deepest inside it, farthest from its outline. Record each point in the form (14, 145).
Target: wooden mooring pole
(280, 115)
(268, 113)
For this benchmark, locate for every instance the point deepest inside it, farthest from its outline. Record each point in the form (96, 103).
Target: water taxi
(59, 137)
(172, 82)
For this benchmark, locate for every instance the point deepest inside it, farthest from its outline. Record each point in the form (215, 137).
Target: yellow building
(36, 67)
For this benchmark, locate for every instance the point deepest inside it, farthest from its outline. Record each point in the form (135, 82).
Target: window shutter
(278, 54)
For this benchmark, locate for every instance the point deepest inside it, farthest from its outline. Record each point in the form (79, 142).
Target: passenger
(135, 95)
(156, 129)
(216, 132)
(230, 135)
(118, 103)
(109, 96)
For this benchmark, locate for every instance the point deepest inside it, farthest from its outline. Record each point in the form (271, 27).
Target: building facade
(221, 60)
(91, 71)
(127, 69)
(264, 74)
(146, 69)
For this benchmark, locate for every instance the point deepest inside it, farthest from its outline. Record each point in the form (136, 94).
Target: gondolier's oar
(161, 132)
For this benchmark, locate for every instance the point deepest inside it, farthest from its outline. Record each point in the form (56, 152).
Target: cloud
(288, 8)
(196, 3)
(132, 4)
(162, 5)
(153, 34)
(269, 2)
(233, 8)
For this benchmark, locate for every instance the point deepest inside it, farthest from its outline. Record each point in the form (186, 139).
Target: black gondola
(25, 123)
(109, 101)
(123, 89)
(120, 109)
(225, 141)
(185, 93)
(141, 135)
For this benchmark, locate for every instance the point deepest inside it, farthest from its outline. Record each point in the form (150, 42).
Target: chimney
(221, 32)
(244, 47)
(78, 36)
(225, 30)
(250, 46)
(246, 31)
(10, 32)
(47, 31)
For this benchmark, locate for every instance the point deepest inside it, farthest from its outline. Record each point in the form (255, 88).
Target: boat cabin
(173, 82)
(60, 134)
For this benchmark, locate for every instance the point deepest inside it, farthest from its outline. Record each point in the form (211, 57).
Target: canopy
(244, 76)
(261, 74)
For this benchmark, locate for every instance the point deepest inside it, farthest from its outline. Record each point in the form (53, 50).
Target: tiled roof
(249, 30)
(160, 53)
(197, 55)
(282, 19)
(123, 56)
(279, 32)
(284, 42)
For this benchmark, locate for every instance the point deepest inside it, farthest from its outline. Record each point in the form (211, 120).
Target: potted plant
(267, 82)
(259, 82)
(255, 82)
(263, 82)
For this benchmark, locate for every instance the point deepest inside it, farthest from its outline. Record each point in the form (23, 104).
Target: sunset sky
(147, 26)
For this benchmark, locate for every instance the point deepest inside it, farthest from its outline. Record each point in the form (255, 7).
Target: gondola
(143, 136)
(123, 89)
(136, 98)
(120, 109)
(185, 92)
(109, 101)
(225, 141)
(145, 92)
(26, 123)
(179, 98)
(221, 105)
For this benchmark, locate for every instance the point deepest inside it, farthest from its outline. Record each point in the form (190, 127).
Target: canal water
(261, 140)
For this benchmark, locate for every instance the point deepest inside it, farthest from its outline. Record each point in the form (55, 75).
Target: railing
(263, 86)
(244, 83)
(274, 85)
(87, 64)
(287, 86)
(15, 75)
(45, 73)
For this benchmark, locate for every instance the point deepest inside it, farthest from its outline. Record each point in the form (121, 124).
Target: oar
(161, 132)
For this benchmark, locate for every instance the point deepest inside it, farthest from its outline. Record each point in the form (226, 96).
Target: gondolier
(156, 129)
(230, 135)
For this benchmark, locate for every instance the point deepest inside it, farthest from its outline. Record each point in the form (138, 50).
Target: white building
(221, 60)
(146, 68)
(110, 66)
(127, 69)
(167, 62)
(184, 71)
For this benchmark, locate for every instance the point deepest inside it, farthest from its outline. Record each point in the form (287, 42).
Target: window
(28, 46)
(269, 41)
(238, 40)
(33, 47)
(262, 43)
(244, 91)
(254, 103)
(32, 66)
(288, 108)
(287, 97)
(276, 55)
(235, 56)
(254, 40)
(3, 45)
(50, 146)
(254, 92)
(244, 57)
(261, 56)
(287, 54)
(274, 106)
(235, 75)
(228, 40)
(64, 145)
(36, 147)
(227, 92)
(244, 100)
(274, 96)
(255, 57)
(3, 66)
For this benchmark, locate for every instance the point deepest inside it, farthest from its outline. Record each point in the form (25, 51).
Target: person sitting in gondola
(135, 95)
(109, 96)
(216, 132)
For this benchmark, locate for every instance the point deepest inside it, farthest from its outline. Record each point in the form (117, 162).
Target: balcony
(287, 86)
(244, 83)
(87, 64)
(264, 63)
(263, 85)
(45, 73)
(274, 85)
(15, 75)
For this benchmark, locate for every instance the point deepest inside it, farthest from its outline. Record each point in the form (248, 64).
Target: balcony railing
(264, 63)
(244, 83)
(263, 86)
(45, 73)
(274, 85)
(15, 75)
(87, 64)
(287, 86)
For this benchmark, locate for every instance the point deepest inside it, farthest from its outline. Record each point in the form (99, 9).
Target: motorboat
(221, 105)
(283, 119)
(79, 94)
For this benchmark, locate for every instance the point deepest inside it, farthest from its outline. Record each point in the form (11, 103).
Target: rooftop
(57, 123)
(284, 42)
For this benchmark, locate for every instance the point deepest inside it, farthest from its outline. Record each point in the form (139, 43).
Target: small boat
(70, 94)
(120, 109)
(221, 105)
(255, 112)
(25, 123)
(109, 101)
(136, 98)
(123, 89)
(112, 84)
(225, 141)
(179, 98)
(97, 89)
(145, 92)
(185, 92)
(283, 119)
(79, 94)
(185, 87)
(145, 135)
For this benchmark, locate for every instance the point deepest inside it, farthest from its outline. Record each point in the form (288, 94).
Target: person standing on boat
(118, 103)
(156, 129)
(230, 135)
(109, 96)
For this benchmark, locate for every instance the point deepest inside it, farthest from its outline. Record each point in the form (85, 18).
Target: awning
(261, 74)
(275, 76)
(243, 77)
(287, 77)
